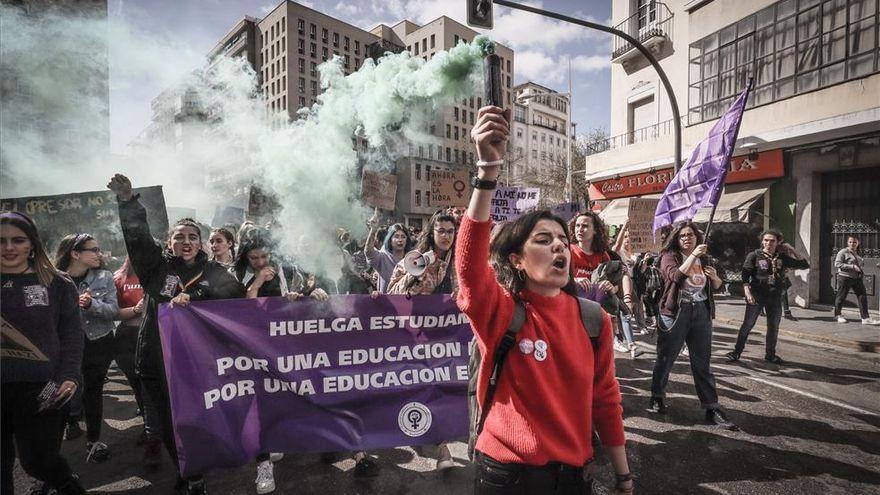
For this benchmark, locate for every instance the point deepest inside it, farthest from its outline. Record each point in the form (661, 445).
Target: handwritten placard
(450, 187)
(508, 203)
(379, 190)
(641, 224)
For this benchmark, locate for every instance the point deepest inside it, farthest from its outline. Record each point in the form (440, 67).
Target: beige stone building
(453, 148)
(807, 160)
(539, 145)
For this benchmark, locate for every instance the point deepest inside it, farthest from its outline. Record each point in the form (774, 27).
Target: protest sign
(450, 187)
(508, 203)
(379, 190)
(94, 212)
(567, 211)
(641, 225)
(353, 373)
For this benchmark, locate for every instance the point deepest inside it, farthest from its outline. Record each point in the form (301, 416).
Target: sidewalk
(815, 325)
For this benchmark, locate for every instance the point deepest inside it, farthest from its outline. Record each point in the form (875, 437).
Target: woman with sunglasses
(41, 372)
(80, 256)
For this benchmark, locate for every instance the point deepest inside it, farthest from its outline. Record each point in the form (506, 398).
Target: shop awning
(616, 211)
(735, 202)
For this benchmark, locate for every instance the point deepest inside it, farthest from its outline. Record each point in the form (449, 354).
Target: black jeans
(844, 284)
(785, 307)
(125, 344)
(97, 356)
(692, 325)
(157, 392)
(496, 478)
(33, 434)
(771, 302)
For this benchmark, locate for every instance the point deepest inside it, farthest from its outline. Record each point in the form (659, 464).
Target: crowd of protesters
(71, 318)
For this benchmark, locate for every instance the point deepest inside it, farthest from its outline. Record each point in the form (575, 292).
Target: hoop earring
(32, 255)
(521, 275)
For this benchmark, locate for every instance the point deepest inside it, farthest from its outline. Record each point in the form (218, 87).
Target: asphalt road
(809, 427)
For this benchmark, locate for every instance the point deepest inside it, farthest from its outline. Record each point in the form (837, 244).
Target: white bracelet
(481, 163)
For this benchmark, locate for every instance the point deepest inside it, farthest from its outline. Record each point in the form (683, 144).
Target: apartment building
(807, 161)
(539, 144)
(453, 148)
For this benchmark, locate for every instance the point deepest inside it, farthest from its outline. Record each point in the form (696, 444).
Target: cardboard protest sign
(508, 203)
(450, 187)
(641, 225)
(567, 211)
(94, 213)
(349, 374)
(379, 190)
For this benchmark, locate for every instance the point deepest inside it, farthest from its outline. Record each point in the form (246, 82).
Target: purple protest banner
(353, 373)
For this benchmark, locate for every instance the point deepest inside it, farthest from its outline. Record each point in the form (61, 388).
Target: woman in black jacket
(178, 273)
(42, 351)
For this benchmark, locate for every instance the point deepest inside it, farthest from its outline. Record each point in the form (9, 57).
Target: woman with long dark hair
(395, 245)
(42, 356)
(178, 272)
(80, 256)
(556, 385)
(686, 311)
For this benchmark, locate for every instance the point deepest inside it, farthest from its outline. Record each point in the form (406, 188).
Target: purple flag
(354, 373)
(699, 182)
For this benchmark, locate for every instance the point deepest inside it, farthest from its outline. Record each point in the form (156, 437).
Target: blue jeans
(692, 325)
(626, 327)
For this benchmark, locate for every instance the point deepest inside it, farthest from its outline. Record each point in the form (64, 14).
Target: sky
(542, 46)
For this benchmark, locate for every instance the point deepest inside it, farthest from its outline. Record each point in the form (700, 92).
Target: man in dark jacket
(763, 276)
(178, 273)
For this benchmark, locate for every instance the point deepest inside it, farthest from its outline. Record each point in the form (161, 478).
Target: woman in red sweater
(537, 435)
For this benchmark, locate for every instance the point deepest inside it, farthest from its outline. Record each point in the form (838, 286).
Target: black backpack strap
(592, 317)
(507, 342)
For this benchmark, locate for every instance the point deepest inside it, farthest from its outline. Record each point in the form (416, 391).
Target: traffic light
(479, 13)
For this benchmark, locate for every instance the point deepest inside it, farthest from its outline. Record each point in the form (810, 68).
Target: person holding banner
(437, 277)
(686, 311)
(537, 435)
(80, 256)
(41, 352)
(177, 273)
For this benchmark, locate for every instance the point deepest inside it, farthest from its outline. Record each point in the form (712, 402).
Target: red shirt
(546, 401)
(128, 291)
(583, 264)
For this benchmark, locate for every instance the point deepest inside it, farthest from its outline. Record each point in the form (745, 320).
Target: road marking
(811, 395)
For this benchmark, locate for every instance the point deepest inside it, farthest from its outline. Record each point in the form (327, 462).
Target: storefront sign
(768, 165)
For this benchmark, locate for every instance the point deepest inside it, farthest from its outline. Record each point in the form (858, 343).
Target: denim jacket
(98, 318)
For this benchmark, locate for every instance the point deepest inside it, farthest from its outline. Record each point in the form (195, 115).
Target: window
(346, 61)
(345, 43)
(455, 113)
(314, 70)
(313, 31)
(425, 44)
(302, 66)
(421, 151)
(508, 66)
(455, 40)
(324, 35)
(336, 40)
(357, 47)
(456, 156)
(314, 88)
(455, 133)
(534, 153)
(302, 102)
(324, 53)
(791, 47)
(416, 46)
(535, 137)
(300, 26)
(418, 171)
(302, 85)
(448, 155)
(432, 41)
(301, 46)
(448, 131)
(357, 63)
(418, 197)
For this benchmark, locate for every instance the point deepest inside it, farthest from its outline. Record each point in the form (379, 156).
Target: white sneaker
(276, 456)
(265, 478)
(635, 351)
(841, 319)
(870, 321)
(444, 459)
(620, 346)
(685, 352)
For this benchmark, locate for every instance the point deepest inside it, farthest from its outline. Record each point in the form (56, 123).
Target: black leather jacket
(161, 275)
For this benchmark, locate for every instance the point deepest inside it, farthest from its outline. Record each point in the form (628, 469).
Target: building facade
(540, 151)
(453, 148)
(807, 161)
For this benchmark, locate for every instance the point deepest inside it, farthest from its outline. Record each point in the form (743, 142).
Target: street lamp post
(676, 117)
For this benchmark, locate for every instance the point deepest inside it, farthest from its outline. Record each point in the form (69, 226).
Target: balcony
(651, 25)
(643, 135)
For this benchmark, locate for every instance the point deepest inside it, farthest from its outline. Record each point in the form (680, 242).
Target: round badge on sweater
(540, 345)
(540, 354)
(526, 346)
